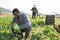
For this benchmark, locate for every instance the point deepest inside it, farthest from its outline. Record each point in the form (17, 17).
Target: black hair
(15, 10)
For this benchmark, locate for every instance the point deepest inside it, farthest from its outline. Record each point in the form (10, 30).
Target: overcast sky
(43, 6)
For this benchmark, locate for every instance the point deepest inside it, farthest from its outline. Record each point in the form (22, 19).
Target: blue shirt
(24, 21)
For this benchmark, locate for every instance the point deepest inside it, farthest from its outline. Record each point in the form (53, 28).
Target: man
(22, 20)
(34, 11)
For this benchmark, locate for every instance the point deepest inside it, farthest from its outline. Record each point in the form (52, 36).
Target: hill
(4, 10)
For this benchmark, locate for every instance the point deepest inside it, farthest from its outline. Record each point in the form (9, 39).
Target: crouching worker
(22, 20)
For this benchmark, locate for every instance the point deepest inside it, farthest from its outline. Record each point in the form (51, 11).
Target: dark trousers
(33, 15)
(27, 31)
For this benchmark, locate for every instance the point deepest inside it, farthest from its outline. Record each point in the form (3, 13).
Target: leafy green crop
(37, 36)
(50, 33)
(38, 32)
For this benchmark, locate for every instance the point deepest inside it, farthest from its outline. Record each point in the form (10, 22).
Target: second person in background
(34, 11)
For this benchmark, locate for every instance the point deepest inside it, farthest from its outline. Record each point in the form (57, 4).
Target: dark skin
(16, 15)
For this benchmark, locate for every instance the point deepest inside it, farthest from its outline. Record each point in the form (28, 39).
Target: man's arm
(36, 10)
(11, 24)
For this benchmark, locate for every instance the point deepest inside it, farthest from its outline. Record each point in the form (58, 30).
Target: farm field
(40, 31)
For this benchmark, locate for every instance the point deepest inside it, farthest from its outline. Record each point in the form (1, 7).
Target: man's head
(16, 12)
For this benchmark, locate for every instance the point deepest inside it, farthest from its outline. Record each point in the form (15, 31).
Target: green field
(40, 31)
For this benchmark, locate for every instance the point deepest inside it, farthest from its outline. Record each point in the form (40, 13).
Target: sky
(43, 6)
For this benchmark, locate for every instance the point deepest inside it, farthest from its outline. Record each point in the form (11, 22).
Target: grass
(38, 27)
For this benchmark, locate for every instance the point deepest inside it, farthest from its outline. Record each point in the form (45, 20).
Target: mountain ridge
(4, 10)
